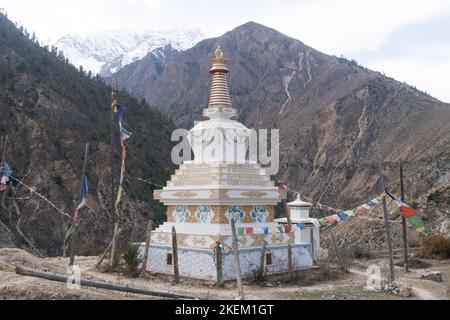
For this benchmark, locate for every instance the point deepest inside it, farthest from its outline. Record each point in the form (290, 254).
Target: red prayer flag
(361, 210)
(330, 219)
(249, 230)
(407, 211)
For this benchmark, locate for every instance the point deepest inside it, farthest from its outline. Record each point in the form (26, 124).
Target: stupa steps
(220, 184)
(232, 167)
(221, 175)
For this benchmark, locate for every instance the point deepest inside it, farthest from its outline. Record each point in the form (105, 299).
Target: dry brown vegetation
(435, 247)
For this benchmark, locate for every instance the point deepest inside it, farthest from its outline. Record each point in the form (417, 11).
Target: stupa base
(201, 263)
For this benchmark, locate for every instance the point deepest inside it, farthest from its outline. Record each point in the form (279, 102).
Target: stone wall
(201, 264)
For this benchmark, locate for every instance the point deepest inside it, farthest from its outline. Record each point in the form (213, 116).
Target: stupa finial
(218, 53)
(219, 99)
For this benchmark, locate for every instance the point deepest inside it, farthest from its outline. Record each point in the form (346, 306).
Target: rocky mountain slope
(50, 110)
(337, 120)
(109, 51)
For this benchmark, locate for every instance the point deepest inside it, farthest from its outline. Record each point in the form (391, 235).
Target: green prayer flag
(70, 231)
(323, 222)
(416, 223)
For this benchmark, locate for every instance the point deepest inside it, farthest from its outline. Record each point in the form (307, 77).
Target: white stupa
(219, 184)
(306, 229)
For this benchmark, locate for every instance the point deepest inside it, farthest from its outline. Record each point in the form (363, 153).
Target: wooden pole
(75, 232)
(176, 272)
(336, 250)
(311, 238)
(112, 261)
(404, 226)
(113, 101)
(5, 142)
(219, 264)
(147, 246)
(98, 284)
(108, 249)
(262, 264)
(115, 223)
(237, 262)
(286, 207)
(289, 258)
(388, 231)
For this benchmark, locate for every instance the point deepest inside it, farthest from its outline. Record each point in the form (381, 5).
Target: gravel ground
(326, 283)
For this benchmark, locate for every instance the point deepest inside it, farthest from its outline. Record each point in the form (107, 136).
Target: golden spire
(219, 88)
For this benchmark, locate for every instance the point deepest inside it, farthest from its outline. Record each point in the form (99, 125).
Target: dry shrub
(328, 272)
(357, 252)
(435, 247)
(257, 276)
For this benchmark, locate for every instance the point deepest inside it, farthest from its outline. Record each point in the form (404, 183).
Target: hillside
(50, 110)
(337, 120)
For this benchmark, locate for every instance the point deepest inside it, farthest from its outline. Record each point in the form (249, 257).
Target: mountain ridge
(106, 52)
(329, 111)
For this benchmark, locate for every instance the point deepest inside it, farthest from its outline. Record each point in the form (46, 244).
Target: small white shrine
(219, 184)
(306, 229)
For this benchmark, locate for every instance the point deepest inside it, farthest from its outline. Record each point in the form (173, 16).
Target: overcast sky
(408, 40)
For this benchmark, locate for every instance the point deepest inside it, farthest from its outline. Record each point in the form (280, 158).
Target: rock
(405, 292)
(432, 275)
(398, 289)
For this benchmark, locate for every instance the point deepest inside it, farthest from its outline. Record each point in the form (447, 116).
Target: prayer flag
(361, 210)
(336, 217)
(330, 219)
(416, 223)
(273, 230)
(6, 170)
(120, 108)
(407, 211)
(84, 197)
(343, 216)
(323, 222)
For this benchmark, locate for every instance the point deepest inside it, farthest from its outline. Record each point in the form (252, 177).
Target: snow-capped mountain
(109, 51)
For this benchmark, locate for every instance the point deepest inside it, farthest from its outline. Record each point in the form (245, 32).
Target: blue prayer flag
(120, 109)
(343, 216)
(6, 169)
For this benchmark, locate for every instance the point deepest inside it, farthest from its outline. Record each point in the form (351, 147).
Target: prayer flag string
(344, 215)
(124, 135)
